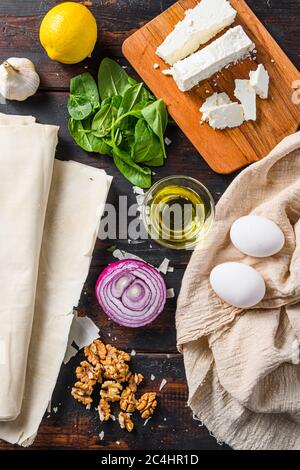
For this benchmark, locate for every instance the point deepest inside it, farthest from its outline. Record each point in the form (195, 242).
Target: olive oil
(177, 214)
(178, 211)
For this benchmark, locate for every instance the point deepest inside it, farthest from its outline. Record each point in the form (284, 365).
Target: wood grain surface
(72, 426)
(228, 150)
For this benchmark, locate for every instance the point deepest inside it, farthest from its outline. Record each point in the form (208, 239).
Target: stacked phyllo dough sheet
(50, 213)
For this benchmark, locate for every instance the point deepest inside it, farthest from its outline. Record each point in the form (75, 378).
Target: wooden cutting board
(228, 150)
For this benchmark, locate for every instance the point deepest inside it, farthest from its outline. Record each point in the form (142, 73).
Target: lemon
(68, 33)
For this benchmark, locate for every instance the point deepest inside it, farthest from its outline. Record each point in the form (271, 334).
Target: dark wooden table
(72, 426)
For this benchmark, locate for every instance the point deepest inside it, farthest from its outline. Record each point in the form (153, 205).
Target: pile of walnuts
(109, 367)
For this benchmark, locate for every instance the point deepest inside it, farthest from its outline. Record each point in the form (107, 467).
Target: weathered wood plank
(172, 426)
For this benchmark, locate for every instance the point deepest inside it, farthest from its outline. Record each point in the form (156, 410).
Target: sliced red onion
(131, 292)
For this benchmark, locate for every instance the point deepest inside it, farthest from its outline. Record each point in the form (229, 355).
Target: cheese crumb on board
(199, 25)
(259, 80)
(247, 96)
(233, 46)
(167, 72)
(227, 115)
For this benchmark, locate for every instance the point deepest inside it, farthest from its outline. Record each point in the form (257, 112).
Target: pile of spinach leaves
(119, 118)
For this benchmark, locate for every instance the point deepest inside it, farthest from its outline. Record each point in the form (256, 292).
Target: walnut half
(95, 352)
(85, 372)
(147, 404)
(134, 381)
(114, 364)
(125, 421)
(104, 410)
(127, 401)
(111, 390)
(82, 392)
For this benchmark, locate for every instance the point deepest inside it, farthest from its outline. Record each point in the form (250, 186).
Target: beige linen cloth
(73, 212)
(242, 366)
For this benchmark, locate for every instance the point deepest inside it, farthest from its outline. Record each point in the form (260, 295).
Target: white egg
(238, 284)
(257, 236)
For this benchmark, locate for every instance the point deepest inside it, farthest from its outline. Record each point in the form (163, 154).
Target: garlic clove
(18, 79)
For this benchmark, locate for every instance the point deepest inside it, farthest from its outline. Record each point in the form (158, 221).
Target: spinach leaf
(147, 96)
(103, 121)
(86, 141)
(146, 145)
(118, 137)
(156, 116)
(131, 97)
(137, 175)
(131, 81)
(79, 108)
(112, 79)
(120, 118)
(100, 145)
(159, 160)
(84, 86)
(116, 101)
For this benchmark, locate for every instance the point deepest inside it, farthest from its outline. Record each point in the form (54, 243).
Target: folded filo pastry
(26, 164)
(76, 203)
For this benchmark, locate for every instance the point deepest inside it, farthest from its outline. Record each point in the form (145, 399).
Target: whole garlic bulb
(18, 79)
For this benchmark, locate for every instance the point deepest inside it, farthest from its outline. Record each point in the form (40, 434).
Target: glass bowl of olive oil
(178, 211)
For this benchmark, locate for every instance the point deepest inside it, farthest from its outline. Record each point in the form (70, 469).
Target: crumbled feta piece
(247, 96)
(227, 115)
(200, 25)
(163, 267)
(156, 66)
(170, 293)
(259, 80)
(217, 99)
(137, 190)
(229, 48)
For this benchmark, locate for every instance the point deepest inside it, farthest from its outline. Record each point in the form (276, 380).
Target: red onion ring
(131, 293)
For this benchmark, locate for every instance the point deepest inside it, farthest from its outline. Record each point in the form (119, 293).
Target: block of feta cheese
(200, 25)
(227, 115)
(259, 80)
(229, 48)
(217, 99)
(247, 96)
